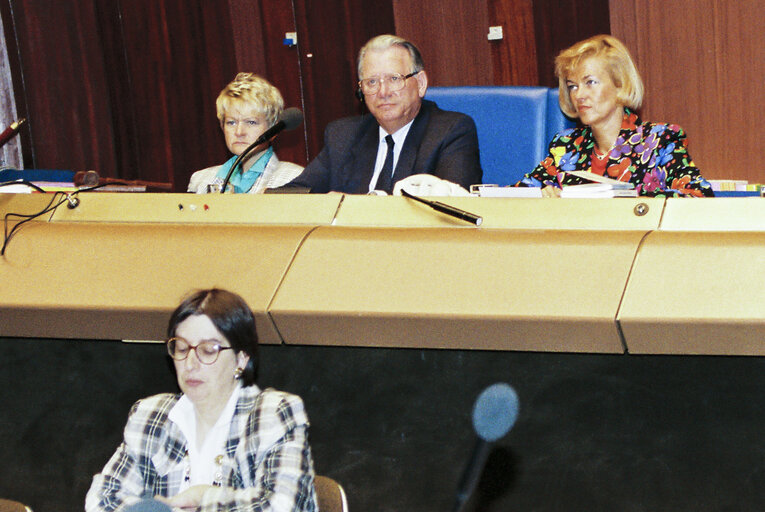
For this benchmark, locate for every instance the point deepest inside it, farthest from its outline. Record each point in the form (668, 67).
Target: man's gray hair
(385, 41)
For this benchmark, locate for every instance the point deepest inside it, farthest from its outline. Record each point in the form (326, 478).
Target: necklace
(602, 156)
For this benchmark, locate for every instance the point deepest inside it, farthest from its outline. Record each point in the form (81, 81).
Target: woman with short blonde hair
(246, 108)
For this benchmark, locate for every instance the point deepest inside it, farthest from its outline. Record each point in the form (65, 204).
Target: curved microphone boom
(494, 414)
(290, 119)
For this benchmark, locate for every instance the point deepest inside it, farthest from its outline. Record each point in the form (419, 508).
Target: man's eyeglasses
(207, 351)
(395, 81)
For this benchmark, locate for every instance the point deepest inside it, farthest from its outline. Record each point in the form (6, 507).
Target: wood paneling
(65, 92)
(330, 34)
(561, 23)
(514, 58)
(128, 89)
(247, 32)
(282, 69)
(703, 63)
(178, 57)
(452, 42)
(452, 36)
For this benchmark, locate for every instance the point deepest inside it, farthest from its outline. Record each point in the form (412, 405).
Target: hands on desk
(550, 191)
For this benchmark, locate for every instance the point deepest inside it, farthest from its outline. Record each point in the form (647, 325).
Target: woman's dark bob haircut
(231, 315)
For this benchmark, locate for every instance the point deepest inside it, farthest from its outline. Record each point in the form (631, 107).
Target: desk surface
(581, 275)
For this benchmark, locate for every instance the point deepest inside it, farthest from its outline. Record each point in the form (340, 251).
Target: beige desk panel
(697, 293)
(122, 281)
(516, 213)
(718, 214)
(203, 208)
(498, 289)
(26, 204)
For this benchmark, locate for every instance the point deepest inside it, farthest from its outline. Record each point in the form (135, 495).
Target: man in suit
(402, 135)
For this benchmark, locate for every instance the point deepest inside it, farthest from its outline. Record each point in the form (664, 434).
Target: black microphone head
(148, 505)
(495, 412)
(291, 117)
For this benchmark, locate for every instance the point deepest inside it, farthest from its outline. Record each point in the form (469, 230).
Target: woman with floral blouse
(599, 83)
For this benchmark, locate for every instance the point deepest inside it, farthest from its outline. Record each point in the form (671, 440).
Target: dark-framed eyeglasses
(207, 351)
(395, 81)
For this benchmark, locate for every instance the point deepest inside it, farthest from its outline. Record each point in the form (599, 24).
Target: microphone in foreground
(447, 209)
(290, 119)
(494, 414)
(148, 505)
(11, 131)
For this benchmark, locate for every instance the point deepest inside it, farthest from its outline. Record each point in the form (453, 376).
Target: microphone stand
(289, 119)
(238, 161)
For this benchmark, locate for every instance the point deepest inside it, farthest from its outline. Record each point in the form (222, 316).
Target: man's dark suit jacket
(439, 142)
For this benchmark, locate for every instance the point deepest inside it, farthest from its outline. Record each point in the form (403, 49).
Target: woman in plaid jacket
(222, 444)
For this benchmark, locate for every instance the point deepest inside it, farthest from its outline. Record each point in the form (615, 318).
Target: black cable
(22, 182)
(27, 218)
(71, 198)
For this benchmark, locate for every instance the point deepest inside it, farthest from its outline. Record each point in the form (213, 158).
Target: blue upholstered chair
(556, 120)
(515, 125)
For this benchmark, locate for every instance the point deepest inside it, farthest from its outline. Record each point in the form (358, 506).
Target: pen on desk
(12, 130)
(447, 209)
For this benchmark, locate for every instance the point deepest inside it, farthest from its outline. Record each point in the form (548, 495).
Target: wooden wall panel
(247, 33)
(282, 69)
(561, 23)
(326, 65)
(453, 37)
(703, 63)
(126, 88)
(65, 93)
(451, 34)
(179, 55)
(514, 58)
(330, 34)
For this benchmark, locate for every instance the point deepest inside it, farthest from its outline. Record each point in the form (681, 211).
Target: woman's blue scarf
(243, 182)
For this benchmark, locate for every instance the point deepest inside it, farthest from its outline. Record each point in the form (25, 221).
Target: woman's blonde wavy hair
(617, 61)
(253, 91)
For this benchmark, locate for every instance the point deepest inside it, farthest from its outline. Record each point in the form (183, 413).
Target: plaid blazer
(267, 465)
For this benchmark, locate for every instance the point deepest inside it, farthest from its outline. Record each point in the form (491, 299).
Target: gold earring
(238, 373)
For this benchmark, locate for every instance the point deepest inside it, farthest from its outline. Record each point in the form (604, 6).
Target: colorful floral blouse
(651, 156)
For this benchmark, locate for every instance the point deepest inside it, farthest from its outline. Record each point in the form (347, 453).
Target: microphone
(290, 119)
(494, 413)
(11, 131)
(148, 505)
(91, 179)
(447, 209)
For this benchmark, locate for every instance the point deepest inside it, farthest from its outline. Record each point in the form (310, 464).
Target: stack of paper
(598, 190)
(495, 191)
(603, 186)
